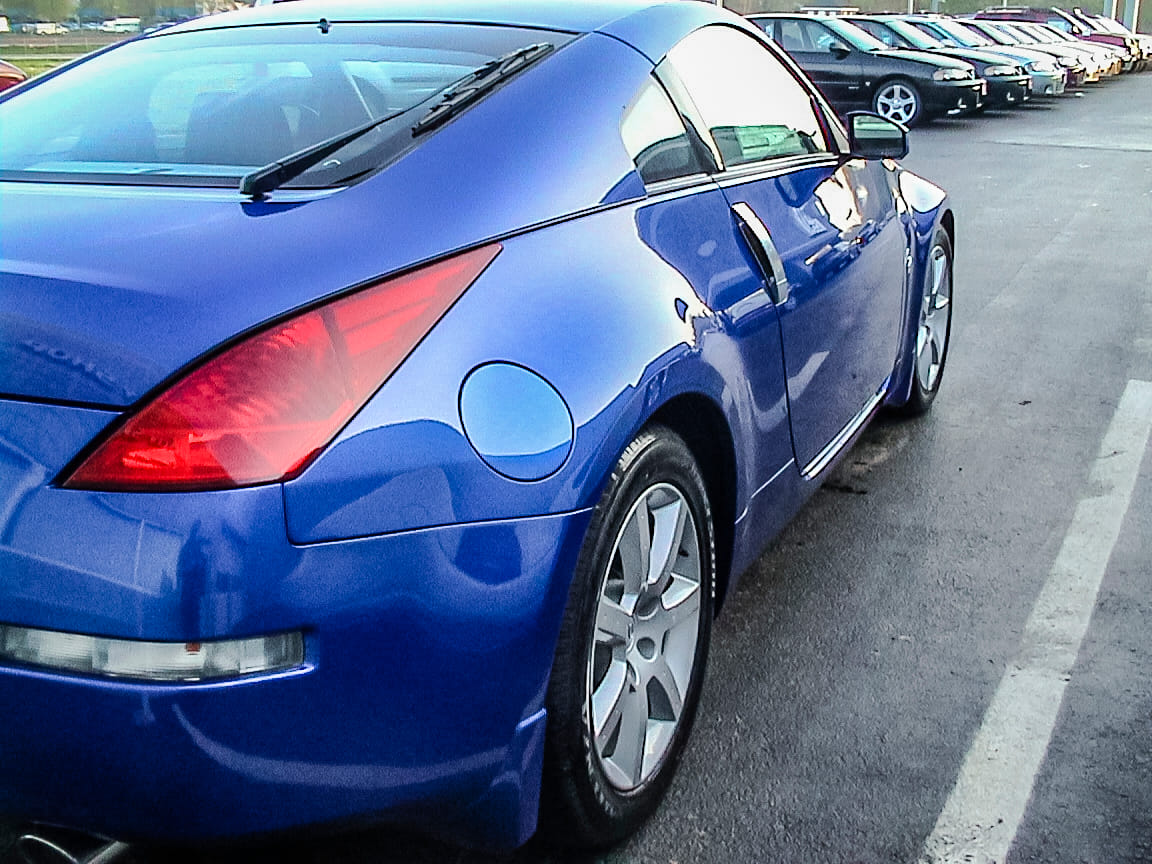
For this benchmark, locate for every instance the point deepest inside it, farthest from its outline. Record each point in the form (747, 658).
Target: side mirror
(839, 50)
(871, 136)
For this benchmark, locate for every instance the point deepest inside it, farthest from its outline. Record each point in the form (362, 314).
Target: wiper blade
(463, 92)
(275, 174)
(475, 84)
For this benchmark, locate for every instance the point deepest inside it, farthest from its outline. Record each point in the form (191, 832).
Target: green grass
(35, 66)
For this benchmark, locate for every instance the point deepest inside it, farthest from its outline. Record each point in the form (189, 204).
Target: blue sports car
(390, 394)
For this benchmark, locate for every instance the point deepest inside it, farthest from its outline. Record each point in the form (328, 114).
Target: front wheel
(898, 100)
(934, 328)
(630, 659)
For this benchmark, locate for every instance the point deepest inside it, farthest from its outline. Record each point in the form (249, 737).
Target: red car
(1069, 23)
(10, 75)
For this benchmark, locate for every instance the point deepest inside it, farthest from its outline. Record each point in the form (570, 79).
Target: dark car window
(853, 35)
(819, 37)
(656, 138)
(793, 36)
(751, 104)
(917, 38)
(209, 106)
(962, 37)
(808, 36)
(881, 32)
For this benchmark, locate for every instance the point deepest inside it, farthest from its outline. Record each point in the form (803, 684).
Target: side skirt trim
(832, 449)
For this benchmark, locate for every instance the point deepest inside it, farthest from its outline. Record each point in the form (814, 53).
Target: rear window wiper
(275, 174)
(475, 84)
(457, 95)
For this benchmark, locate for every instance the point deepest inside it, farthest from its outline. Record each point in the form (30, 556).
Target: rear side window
(793, 36)
(656, 138)
(751, 104)
(209, 106)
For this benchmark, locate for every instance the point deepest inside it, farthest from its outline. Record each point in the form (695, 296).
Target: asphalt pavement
(946, 653)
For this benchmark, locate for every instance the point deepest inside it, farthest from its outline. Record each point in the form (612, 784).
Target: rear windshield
(207, 107)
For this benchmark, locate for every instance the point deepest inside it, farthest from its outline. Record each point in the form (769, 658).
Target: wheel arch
(948, 223)
(930, 210)
(895, 76)
(701, 423)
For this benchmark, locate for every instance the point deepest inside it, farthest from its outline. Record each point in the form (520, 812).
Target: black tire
(584, 804)
(898, 99)
(933, 354)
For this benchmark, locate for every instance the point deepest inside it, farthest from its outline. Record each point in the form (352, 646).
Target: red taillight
(264, 408)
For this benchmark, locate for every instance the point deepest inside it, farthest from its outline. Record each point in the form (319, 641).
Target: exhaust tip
(60, 846)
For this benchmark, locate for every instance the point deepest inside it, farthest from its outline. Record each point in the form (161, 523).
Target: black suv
(857, 71)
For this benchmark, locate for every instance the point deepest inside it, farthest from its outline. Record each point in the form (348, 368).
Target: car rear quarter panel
(74, 277)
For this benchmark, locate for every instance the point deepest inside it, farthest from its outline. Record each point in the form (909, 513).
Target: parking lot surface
(859, 666)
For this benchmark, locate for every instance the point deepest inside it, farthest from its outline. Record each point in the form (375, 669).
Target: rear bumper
(420, 700)
(197, 764)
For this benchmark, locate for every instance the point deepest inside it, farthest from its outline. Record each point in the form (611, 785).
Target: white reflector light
(151, 661)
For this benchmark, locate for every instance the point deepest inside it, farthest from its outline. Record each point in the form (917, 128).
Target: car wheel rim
(935, 312)
(647, 627)
(896, 102)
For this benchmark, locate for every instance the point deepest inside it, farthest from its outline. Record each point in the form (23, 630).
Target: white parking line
(980, 819)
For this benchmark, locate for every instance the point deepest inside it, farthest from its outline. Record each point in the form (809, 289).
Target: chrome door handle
(764, 250)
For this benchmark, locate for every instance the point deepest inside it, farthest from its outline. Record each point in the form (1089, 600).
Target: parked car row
(913, 68)
(119, 24)
(1136, 48)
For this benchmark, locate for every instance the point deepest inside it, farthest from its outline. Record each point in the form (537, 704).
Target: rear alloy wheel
(630, 658)
(935, 326)
(898, 100)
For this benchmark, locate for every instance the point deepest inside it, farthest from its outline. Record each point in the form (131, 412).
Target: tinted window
(656, 138)
(793, 36)
(880, 31)
(212, 105)
(750, 103)
(853, 35)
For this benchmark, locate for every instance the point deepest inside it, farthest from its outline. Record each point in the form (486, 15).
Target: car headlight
(993, 71)
(1042, 66)
(951, 74)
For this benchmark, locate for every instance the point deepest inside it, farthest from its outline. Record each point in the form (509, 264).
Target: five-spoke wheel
(630, 658)
(898, 100)
(644, 648)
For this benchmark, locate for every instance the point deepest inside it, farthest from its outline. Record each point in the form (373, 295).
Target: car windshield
(1054, 35)
(206, 107)
(989, 30)
(1037, 33)
(1022, 35)
(963, 37)
(1110, 26)
(917, 37)
(854, 36)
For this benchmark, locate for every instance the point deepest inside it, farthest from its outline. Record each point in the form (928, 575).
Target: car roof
(581, 17)
(649, 26)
